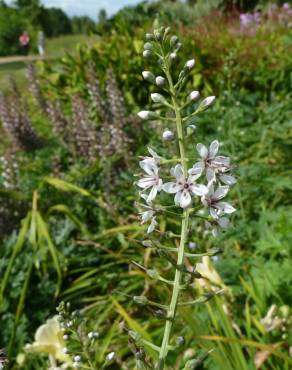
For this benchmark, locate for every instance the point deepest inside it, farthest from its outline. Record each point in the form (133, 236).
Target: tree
(54, 22)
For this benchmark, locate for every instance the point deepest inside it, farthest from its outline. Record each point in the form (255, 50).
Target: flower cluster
(216, 169)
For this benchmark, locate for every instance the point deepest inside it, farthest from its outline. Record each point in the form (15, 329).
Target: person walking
(24, 41)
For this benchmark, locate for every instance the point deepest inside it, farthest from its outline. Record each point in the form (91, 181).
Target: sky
(86, 7)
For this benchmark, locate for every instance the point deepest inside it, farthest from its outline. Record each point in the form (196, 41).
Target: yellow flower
(49, 339)
(206, 269)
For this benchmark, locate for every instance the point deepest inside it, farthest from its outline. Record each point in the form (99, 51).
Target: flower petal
(210, 174)
(146, 182)
(199, 189)
(225, 207)
(146, 216)
(197, 168)
(177, 198)
(202, 150)
(227, 179)
(170, 187)
(214, 146)
(152, 225)
(221, 192)
(178, 172)
(185, 199)
(220, 160)
(152, 194)
(149, 167)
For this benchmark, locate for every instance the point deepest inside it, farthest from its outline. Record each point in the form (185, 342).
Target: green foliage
(85, 229)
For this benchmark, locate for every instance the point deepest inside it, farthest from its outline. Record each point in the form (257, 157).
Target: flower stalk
(185, 187)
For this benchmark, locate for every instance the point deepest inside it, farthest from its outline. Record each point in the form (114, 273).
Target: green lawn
(55, 47)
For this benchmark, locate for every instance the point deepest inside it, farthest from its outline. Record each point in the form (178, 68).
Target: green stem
(184, 229)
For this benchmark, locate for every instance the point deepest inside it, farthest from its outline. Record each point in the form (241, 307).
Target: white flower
(151, 180)
(214, 165)
(160, 81)
(194, 95)
(190, 64)
(167, 135)
(146, 114)
(212, 200)
(184, 187)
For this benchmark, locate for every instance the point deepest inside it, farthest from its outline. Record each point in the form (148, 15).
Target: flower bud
(173, 40)
(178, 46)
(157, 98)
(148, 46)
(180, 341)
(190, 64)
(134, 335)
(153, 274)
(147, 53)
(173, 56)
(148, 76)
(160, 81)
(92, 335)
(147, 243)
(146, 114)
(206, 103)
(168, 135)
(77, 358)
(65, 336)
(157, 35)
(110, 356)
(149, 36)
(141, 299)
(194, 95)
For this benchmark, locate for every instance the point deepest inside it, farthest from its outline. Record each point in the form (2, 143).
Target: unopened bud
(157, 35)
(149, 36)
(77, 358)
(146, 114)
(190, 64)
(173, 56)
(191, 129)
(178, 46)
(173, 40)
(93, 335)
(180, 341)
(147, 53)
(148, 76)
(153, 274)
(134, 335)
(157, 98)
(194, 95)
(206, 103)
(140, 299)
(160, 81)
(168, 135)
(148, 46)
(147, 243)
(110, 356)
